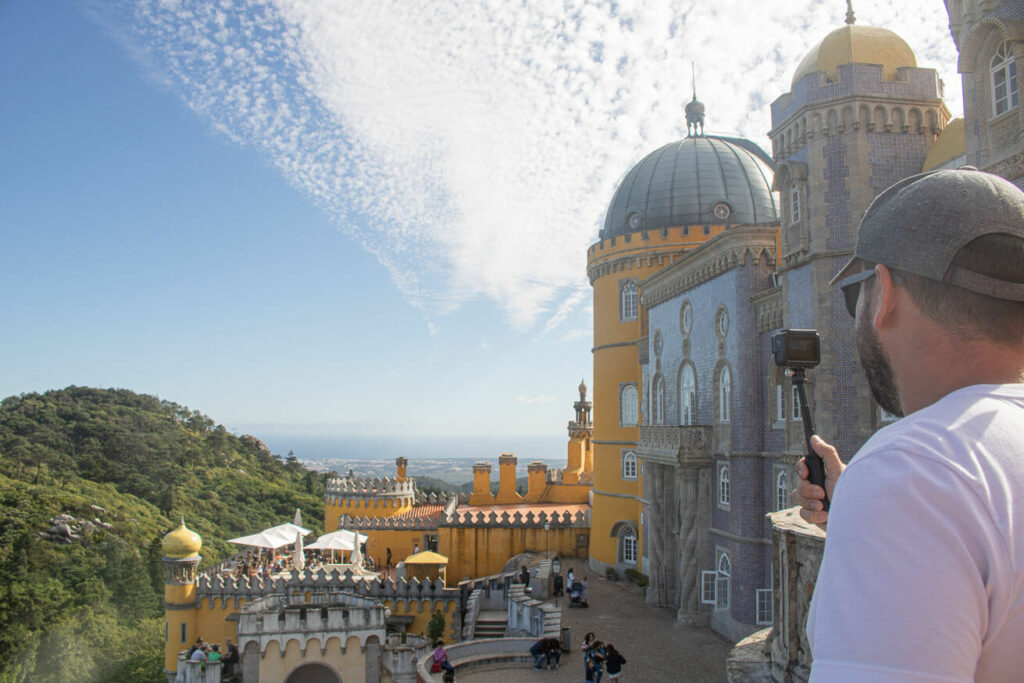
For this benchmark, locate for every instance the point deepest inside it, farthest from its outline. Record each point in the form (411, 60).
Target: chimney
(537, 481)
(507, 480)
(481, 485)
(402, 462)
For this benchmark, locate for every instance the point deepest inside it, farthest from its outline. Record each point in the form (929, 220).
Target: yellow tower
(181, 557)
(580, 460)
(678, 197)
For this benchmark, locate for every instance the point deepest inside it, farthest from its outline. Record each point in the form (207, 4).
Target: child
(613, 661)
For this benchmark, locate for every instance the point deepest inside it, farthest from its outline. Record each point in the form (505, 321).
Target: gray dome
(688, 182)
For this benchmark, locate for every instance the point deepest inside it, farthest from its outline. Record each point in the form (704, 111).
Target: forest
(122, 469)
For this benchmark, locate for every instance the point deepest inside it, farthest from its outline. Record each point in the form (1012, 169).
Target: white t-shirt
(923, 573)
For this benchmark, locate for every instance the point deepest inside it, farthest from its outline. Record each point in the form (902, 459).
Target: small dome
(699, 179)
(951, 143)
(182, 543)
(857, 44)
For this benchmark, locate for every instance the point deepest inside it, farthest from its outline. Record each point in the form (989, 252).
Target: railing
(675, 444)
(462, 656)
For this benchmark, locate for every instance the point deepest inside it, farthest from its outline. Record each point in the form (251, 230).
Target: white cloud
(473, 147)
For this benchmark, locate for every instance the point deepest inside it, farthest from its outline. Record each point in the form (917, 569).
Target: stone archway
(313, 673)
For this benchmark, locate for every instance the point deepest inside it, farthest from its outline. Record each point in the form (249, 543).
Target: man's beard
(881, 378)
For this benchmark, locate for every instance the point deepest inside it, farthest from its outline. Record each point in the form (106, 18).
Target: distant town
(455, 471)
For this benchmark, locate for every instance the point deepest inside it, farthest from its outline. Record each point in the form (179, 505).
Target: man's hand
(807, 495)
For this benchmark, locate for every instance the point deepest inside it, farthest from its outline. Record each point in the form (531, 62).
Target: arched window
(629, 302)
(724, 395)
(794, 205)
(722, 582)
(628, 545)
(1004, 80)
(723, 485)
(687, 396)
(781, 491)
(629, 468)
(658, 400)
(628, 405)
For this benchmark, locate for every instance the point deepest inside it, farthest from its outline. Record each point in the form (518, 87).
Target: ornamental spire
(695, 109)
(850, 18)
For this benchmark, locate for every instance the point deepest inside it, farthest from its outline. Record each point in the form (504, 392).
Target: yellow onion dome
(857, 44)
(182, 543)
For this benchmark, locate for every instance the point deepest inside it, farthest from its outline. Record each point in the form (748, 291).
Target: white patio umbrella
(298, 517)
(261, 540)
(342, 539)
(300, 559)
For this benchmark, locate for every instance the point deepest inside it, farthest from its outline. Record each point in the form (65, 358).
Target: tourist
(553, 654)
(587, 641)
(613, 661)
(441, 662)
(415, 548)
(198, 645)
(231, 658)
(214, 655)
(593, 661)
(570, 577)
(583, 592)
(387, 560)
(539, 650)
(922, 574)
(199, 653)
(524, 575)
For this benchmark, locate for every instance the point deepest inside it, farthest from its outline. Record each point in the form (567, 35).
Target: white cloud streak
(473, 147)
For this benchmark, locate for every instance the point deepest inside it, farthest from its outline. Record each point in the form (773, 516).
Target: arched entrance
(313, 673)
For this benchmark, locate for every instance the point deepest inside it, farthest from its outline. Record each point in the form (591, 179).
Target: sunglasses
(850, 287)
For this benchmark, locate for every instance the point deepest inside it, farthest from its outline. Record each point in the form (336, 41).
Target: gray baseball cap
(920, 224)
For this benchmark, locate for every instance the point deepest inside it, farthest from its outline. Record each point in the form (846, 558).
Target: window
(707, 587)
(724, 395)
(629, 545)
(722, 582)
(184, 633)
(629, 302)
(629, 468)
(628, 405)
(1004, 80)
(780, 405)
(658, 396)
(687, 396)
(794, 205)
(723, 485)
(781, 491)
(796, 403)
(764, 606)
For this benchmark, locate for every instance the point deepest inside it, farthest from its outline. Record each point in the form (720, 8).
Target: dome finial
(694, 110)
(850, 18)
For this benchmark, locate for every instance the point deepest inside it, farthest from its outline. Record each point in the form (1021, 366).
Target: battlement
(321, 582)
(354, 486)
(401, 523)
(468, 518)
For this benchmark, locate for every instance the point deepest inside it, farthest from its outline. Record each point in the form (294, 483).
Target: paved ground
(656, 649)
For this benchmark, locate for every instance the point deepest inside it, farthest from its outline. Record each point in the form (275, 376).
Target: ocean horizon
(383, 447)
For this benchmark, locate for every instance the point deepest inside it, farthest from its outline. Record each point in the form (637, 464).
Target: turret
(181, 558)
(579, 461)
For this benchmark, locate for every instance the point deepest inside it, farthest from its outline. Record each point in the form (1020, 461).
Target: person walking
(926, 521)
(613, 661)
(593, 662)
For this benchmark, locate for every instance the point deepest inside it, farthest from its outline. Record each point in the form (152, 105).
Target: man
(232, 657)
(923, 573)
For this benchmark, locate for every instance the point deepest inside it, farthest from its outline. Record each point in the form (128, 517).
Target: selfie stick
(815, 465)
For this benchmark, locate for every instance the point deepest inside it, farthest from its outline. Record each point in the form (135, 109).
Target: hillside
(80, 594)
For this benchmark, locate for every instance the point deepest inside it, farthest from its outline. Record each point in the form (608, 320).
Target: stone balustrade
(517, 520)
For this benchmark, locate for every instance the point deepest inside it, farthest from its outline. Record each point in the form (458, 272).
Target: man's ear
(883, 303)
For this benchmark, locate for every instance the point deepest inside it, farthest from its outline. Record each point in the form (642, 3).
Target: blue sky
(298, 217)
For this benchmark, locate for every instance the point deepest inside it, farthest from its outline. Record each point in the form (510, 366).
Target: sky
(354, 218)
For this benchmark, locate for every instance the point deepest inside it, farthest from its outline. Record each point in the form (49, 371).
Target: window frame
(629, 459)
(687, 399)
(708, 585)
(635, 405)
(723, 581)
(794, 204)
(794, 413)
(1007, 68)
(724, 485)
(764, 606)
(781, 490)
(629, 546)
(629, 309)
(780, 405)
(658, 400)
(725, 394)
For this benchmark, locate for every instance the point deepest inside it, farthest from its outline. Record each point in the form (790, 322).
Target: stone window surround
(629, 459)
(636, 412)
(1004, 66)
(723, 484)
(628, 310)
(683, 367)
(723, 580)
(780, 487)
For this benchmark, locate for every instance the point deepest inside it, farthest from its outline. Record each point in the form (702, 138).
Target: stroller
(576, 594)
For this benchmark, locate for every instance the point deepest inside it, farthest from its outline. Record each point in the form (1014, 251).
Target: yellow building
(673, 200)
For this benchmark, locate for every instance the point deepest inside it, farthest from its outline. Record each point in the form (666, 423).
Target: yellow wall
(476, 552)
(174, 618)
(421, 611)
(635, 259)
(362, 507)
(402, 543)
(350, 665)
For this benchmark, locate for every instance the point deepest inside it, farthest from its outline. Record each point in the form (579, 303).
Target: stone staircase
(491, 624)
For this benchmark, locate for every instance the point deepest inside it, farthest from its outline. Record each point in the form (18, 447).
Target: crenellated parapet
(361, 523)
(377, 486)
(530, 519)
(323, 586)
